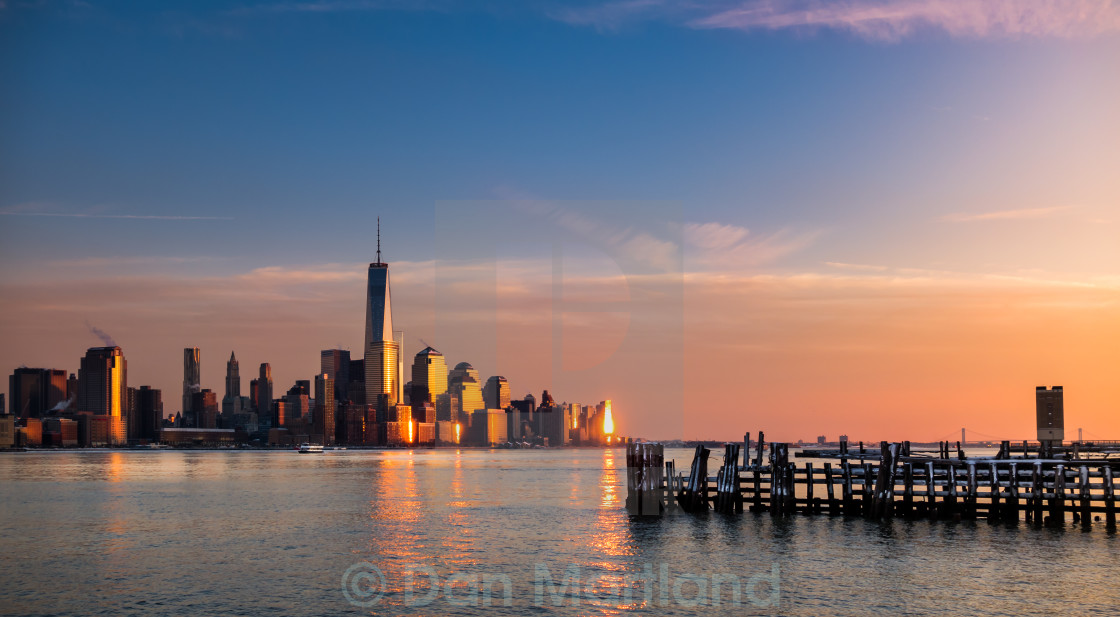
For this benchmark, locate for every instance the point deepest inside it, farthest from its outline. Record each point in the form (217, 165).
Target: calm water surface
(257, 533)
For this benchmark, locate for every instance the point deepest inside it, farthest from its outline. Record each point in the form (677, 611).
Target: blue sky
(942, 140)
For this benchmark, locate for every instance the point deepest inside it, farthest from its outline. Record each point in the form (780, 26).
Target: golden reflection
(611, 541)
(114, 470)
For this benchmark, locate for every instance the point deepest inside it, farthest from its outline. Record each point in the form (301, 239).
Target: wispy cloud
(1005, 215)
(151, 217)
(880, 20)
(860, 267)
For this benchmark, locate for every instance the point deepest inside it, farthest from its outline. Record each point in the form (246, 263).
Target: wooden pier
(896, 484)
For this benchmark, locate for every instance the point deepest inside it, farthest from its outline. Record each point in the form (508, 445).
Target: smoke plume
(101, 334)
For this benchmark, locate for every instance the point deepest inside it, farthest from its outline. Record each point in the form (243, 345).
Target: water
(257, 533)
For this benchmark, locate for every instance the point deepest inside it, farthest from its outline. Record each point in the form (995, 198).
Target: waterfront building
(205, 406)
(148, 412)
(429, 376)
(323, 419)
(381, 352)
(192, 375)
(1050, 413)
(102, 389)
(464, 387)
(264, 394)
(335, 363)
(496, 392)
(231, 402)
(36, 391)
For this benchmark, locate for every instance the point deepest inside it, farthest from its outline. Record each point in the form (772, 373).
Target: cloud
(1005, 215)
(151, 217)
(879, 20)
(713, 236)
(720, 247)
(861, 267)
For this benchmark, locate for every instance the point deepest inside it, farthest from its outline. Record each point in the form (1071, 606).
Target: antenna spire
(379, 239)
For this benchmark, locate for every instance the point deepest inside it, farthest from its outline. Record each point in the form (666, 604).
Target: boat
(306, 448)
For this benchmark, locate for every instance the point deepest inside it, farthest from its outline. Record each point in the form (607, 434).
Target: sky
(889, 219)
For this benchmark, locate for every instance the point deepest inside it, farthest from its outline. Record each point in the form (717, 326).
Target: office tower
(398, 338)
(148, 412)
(1050, 413)
(429, 376)
(72, 390)
(254, 402)
(356, 389)
(324, 420)
(231, 402)
(264, 392)
(37, 391)
(380, 351)
(102, 388)
(462, 383)
(192, 375)
(335, 363)
(205, 406)
(496, 393)
(298, 400)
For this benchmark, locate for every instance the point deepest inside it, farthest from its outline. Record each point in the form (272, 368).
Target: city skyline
(891, 226)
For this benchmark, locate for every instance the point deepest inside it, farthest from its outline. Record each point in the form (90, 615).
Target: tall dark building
(264, 392)
(192, 375)
(496, 393)
(148, 412)
(381, 351)
(323, 416)
(336, 364)
(1050, 413)
(231, 402)
(36, 391)
(356, 390)
(205, 405)
(103, 389)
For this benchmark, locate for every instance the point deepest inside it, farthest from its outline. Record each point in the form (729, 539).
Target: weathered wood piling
(899, 484)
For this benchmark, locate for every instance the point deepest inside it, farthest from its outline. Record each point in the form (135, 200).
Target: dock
(1037, 486)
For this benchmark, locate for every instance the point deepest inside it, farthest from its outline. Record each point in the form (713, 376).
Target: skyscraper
(264, 393)
(429, 376)
(381, 352)
(102, 389)
(336, 364)
(231, 402)
(496, 392)
(323, 418)
(149, 412)
(192, 375)
(463, 384)
(36, 391)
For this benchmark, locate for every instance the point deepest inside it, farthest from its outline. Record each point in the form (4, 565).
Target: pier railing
(1041, 491)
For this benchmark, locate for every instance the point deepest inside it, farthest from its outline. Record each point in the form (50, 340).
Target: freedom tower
(381, 351)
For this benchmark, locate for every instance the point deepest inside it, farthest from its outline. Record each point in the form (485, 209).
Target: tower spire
(379, 239)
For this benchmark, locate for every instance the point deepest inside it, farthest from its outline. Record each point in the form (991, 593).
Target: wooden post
(1083, 486)
(931, 490)
(808, 488)
(882, 503)
(951, 498)
(867, 493)
(1013, 489)
(995, 513)
(746, 450)
(847, 469)
(1109, 499)
(1058, 503)
(908, 489)
(828, 486)
(1037, 480)
(973, 486)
